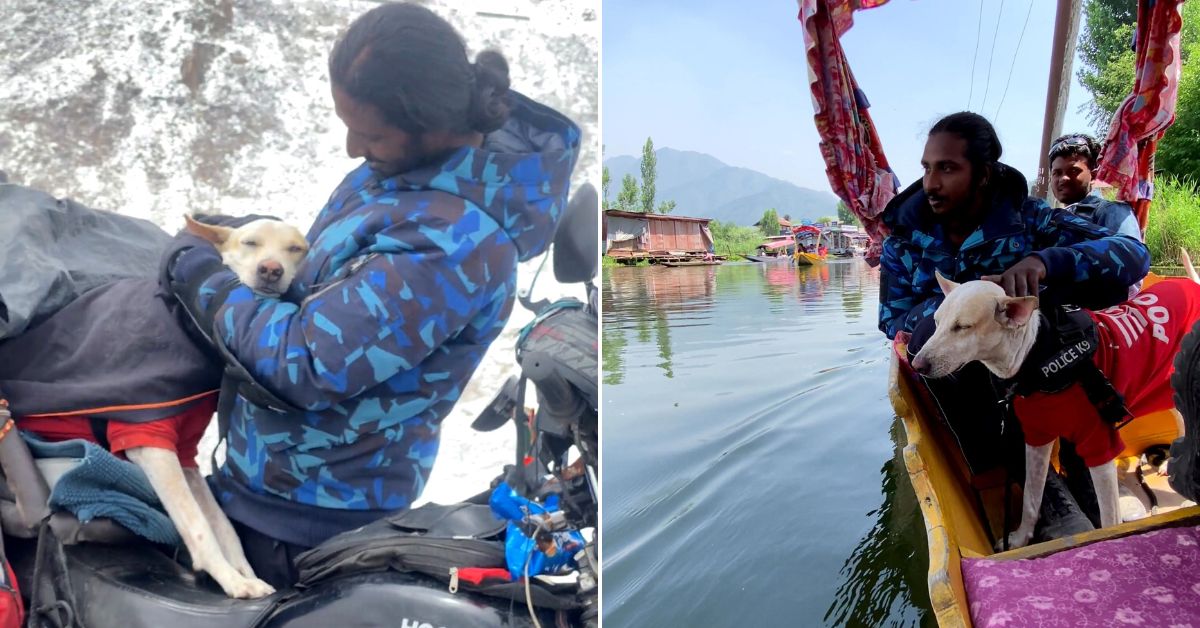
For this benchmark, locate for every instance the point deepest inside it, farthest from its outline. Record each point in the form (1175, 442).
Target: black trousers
(273, 561)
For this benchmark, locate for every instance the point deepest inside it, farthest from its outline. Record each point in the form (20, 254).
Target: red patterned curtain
(858, 170)
(1128, 159)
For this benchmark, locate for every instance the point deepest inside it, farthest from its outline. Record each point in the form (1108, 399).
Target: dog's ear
(1015, 311)
(213, 233)
(946, 284)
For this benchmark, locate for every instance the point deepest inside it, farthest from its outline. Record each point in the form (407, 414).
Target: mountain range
(702, 185)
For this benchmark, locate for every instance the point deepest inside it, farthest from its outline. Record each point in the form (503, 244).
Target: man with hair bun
(343, 382)
(971, 217)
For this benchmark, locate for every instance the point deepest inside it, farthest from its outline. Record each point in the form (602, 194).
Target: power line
(992, 56)
(1014, 60)
(978, 30)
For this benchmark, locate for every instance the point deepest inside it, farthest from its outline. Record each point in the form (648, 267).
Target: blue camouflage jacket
(407, 282)
(1113, 215)
(1086, 264)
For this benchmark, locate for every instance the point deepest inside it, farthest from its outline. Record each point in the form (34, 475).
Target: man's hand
(1022, 279)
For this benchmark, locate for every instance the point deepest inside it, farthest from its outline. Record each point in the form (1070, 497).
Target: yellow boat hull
(807, 259)
(954, 525)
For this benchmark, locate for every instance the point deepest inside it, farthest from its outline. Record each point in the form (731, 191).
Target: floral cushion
(1150, 579)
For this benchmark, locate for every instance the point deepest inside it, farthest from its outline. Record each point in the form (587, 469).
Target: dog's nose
(270, 271)
(921, 365)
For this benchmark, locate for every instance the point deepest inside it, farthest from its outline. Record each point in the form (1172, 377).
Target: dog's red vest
(1138, 342)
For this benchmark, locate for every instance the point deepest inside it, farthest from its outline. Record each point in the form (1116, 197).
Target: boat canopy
(858, 169)
(805, 229)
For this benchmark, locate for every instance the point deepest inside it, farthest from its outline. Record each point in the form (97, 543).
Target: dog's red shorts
(1138, 342)
(180, 433)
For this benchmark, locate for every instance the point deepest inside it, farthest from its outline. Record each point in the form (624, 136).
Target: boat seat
(1146, 579)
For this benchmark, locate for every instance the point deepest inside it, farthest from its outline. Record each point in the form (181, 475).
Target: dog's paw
(247, 588)
(1132, 509)
(244, 568)
(1017, 538)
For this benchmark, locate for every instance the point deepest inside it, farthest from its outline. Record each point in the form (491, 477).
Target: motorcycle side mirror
(577, 241)
(500, 410)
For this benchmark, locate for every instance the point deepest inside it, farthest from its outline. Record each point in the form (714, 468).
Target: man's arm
(1086, 261)
(386, 314)
(899, 310)
(1077, 250)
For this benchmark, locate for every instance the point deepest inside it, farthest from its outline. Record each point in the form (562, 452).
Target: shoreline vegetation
(1174, 221)
(1174, 224)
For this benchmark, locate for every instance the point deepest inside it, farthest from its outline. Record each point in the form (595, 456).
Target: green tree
(605, 178)
(649, 164)
(846, 216)
(1179, 151)
(769, 225)
(666, 207)
(1104, 48)
(731, 239)
(1108, 74)
(627, 198)
(825, 219)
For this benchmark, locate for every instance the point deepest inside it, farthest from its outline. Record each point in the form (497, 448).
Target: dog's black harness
(1062, 356)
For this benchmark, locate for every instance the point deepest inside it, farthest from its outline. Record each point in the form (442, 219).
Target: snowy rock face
(157, 108)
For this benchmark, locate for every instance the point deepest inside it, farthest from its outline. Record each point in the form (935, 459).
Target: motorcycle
(433, 566)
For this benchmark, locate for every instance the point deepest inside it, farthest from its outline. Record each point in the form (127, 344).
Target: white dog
(264, 254)
(977, 321)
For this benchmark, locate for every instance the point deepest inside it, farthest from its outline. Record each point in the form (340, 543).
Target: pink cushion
(1150, 579)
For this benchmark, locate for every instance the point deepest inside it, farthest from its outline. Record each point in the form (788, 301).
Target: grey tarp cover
(53, 250)
(119, 352)
(95, 330)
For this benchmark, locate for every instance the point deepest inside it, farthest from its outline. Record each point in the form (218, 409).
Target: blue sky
(729, 78)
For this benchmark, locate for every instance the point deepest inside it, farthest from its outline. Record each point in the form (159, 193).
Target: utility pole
(1062, 59)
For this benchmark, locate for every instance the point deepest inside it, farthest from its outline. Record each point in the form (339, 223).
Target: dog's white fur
(209, 536)
(206, 531)
(264, 253)
(977, 321)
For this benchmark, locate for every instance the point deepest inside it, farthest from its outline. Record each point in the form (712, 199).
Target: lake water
(751, 471)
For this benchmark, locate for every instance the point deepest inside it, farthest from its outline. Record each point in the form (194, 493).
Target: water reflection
(728, 390)
(612, 354)
(646, 303)
(644, 300)
(885, 575)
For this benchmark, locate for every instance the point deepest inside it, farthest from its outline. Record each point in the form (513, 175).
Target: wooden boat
(807, 259)
(774, 249)
(962, 519)
(963, 514)
(695, 262)
(809, 250)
